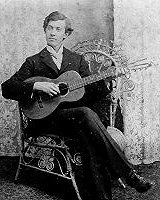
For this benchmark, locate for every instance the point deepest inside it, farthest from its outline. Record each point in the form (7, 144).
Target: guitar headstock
(140, 64)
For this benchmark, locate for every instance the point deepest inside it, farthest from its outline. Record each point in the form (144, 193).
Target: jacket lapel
(47, 59)
(66, 59)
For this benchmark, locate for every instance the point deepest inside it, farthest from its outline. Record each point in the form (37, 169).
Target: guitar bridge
(40, 103)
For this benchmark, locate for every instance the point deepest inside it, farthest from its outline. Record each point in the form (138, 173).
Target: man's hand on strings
(47, 87)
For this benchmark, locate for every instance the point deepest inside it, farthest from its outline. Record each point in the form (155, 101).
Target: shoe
(138, 182)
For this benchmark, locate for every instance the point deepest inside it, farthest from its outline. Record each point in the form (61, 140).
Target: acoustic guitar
(71, 87)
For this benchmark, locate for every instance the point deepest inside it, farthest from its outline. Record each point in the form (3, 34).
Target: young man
(101, 151)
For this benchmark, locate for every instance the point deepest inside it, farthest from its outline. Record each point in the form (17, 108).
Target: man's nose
(53, 31)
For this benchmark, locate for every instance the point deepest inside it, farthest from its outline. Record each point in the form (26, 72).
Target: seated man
(52, 62)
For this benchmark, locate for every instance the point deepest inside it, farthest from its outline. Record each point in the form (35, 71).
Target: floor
(39, 186)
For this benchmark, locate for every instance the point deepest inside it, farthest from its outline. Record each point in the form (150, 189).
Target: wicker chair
(49, 154)
(57, 154)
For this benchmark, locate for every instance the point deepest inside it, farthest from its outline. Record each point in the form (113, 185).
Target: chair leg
(18, 170)
(72, 174)
(75, 185)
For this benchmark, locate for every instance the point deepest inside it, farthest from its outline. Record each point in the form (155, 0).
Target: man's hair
(55, 16)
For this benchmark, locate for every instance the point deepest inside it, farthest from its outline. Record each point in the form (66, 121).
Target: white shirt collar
(54, 53)
(56, 56)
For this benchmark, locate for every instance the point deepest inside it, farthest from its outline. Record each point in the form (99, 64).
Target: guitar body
(43, 105)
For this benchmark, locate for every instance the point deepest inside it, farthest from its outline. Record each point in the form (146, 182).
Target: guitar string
(91, 79)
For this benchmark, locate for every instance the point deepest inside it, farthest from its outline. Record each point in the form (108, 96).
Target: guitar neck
(91, 79)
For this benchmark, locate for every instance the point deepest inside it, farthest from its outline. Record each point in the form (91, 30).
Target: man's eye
(49, 28)
(58, 29)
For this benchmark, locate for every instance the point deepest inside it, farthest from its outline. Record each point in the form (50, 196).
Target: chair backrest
(102, 55)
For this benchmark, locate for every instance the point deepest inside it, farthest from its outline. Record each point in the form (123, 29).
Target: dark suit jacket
(42, 64)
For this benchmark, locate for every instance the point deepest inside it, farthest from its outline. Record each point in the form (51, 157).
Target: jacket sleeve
(15, 88)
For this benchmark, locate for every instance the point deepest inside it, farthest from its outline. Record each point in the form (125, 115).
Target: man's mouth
(52, 38)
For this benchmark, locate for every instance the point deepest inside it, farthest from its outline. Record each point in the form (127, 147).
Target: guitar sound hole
(63, 87)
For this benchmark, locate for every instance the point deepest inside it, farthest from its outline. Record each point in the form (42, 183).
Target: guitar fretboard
(91, 79)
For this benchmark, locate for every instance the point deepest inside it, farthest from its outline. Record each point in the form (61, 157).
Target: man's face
(55, 33)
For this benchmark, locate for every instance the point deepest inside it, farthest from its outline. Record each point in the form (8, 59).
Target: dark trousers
(102, 154)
